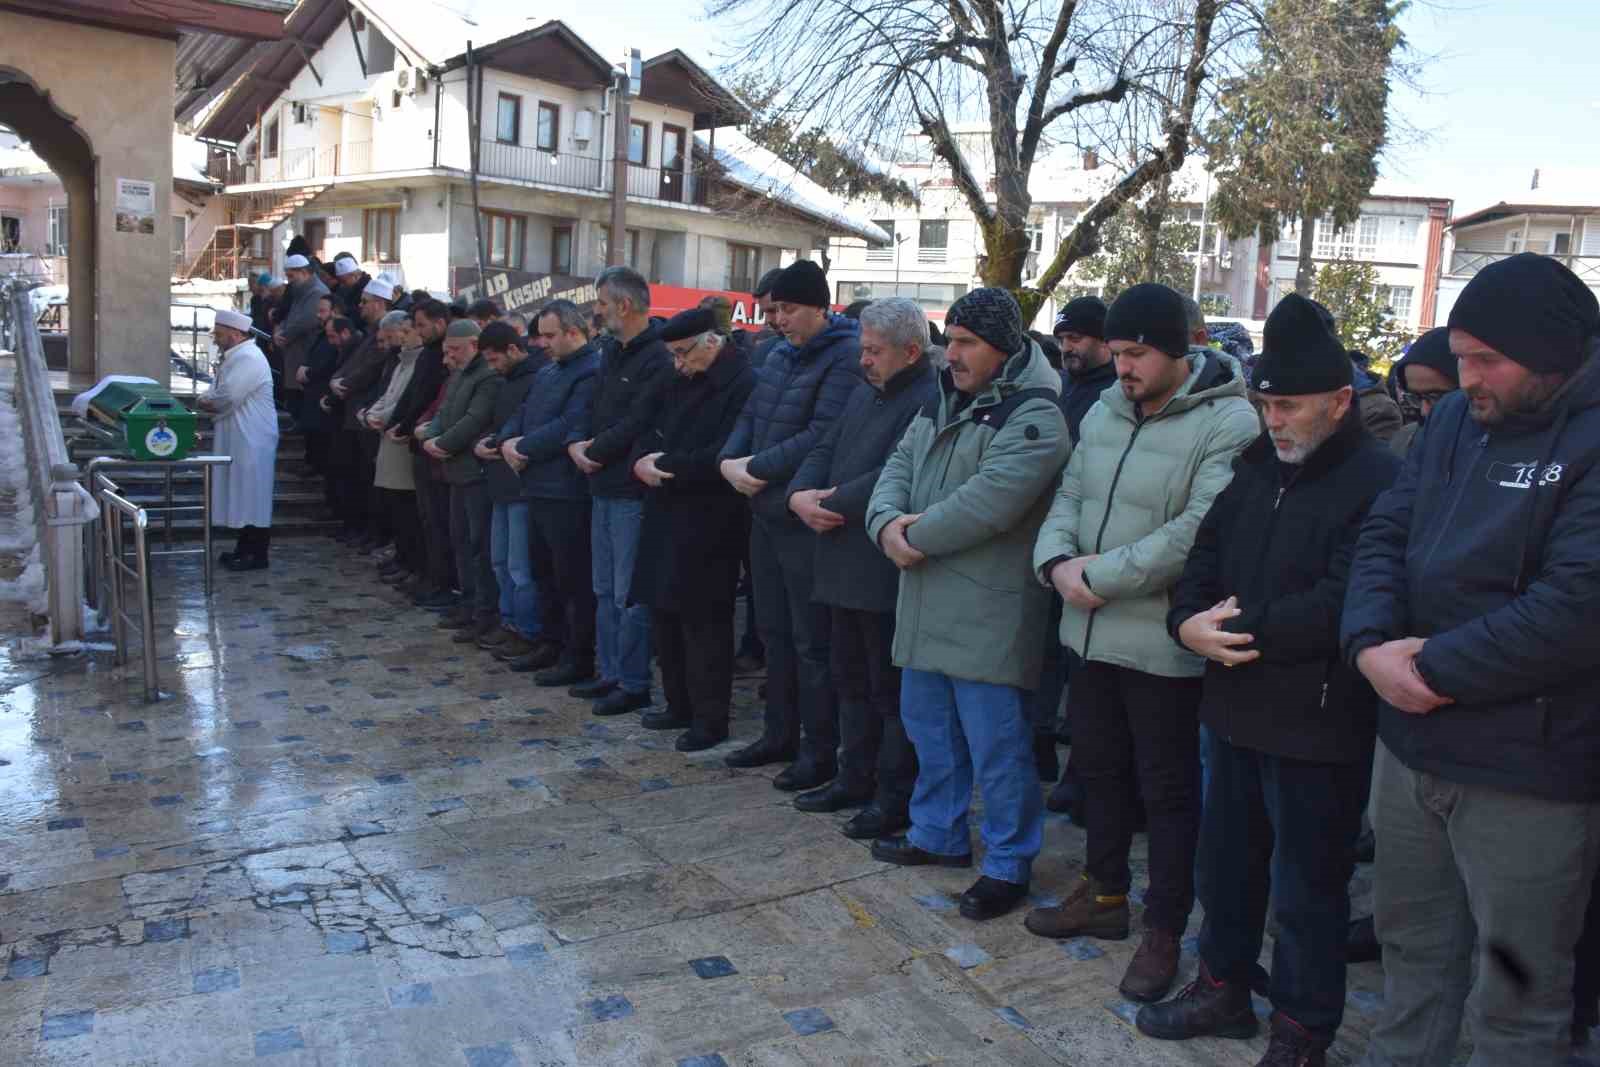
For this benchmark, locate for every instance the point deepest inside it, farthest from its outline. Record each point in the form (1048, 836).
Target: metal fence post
(147, 607)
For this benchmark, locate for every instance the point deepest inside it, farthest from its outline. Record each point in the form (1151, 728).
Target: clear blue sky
(1507, 85)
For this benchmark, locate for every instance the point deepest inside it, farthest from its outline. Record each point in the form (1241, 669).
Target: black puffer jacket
(505, 484)
(1487, 547)
(430, 373)
(621, 409)
(851, 571)
(1281, 538)
(1080, 391)
(798, 393)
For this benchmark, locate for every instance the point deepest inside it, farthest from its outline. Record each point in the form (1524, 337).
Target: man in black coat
(696, 527)
(1471, 610)
(1291, 728)
(352, 282)
(618, 416)
(432, 587)
(1086, 365)
(857, 582)
(799, 391)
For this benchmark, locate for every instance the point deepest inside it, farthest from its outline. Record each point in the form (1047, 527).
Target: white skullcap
(234, 320)
(341, 267)
(379, 289)
(297, 262)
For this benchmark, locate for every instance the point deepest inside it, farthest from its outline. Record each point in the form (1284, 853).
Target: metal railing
(114, 509)
(1466, 262)
(62, 508)
(165, 511)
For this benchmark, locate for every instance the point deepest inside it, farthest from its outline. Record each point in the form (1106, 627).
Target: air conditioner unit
(411, 80)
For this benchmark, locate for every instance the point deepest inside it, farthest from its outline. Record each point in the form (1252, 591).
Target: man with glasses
(1426, 375)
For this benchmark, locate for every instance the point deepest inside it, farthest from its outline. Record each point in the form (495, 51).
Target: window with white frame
(933, 240)
(56, 242)
(1397, 298)
(1035, 237)
(1367, 237)
(886, 253)
(1514, 241)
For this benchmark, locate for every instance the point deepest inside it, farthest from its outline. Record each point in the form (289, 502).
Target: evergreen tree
(1350, 290)
(1297, 137)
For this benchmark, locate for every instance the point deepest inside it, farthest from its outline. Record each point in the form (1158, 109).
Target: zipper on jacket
(1105, 520)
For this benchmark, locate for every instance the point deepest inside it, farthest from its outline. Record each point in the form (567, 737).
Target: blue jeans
(964, 730)
(622, 630)
(513, 567)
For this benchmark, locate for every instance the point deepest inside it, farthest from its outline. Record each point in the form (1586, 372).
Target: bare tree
(1035, 73)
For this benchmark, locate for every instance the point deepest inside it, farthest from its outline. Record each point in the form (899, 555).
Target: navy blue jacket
(503, 482)
(621, 410)
(851, 571)
(1079, 392)
(798, 393)
(555, 414)
(1488, 546)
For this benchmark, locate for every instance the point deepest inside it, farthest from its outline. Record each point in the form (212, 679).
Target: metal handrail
(51, 475)
(204, 464)
(114, 508)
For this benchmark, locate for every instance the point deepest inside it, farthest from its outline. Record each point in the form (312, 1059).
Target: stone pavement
(341, 839)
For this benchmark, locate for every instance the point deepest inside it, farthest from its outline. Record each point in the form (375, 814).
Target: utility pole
(626, 81)
(1200, 249)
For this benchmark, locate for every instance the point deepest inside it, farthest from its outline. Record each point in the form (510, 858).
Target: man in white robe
(246, 428)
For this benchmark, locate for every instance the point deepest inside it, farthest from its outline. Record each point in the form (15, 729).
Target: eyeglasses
(1430, 398)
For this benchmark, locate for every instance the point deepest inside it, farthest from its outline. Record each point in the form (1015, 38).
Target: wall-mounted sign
(136, 206)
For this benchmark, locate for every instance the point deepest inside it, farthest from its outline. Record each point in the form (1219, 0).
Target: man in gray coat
(1151, 457)
(299, 329)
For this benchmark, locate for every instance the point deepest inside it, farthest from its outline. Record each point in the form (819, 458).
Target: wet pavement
(341, 839)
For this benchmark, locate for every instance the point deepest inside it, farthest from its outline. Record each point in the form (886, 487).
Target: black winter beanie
(1150, 314)
(1300, 355)
(1531, 309)
(1431, 350)
(1086, 316)
(992, 314)
(802, 282)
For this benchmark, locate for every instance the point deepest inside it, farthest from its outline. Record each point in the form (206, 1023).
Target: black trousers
(401, 515)
(354, 471)
(750, 643)
(433, 513)
(470, 509)
(1135, 733)
(796, 631)
(875, 756)
(695, 653)
(253, 541)
(1044, 703)
(560, 530)
(1280, 828)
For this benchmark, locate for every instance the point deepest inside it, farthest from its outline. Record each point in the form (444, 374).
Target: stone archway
(58, 140)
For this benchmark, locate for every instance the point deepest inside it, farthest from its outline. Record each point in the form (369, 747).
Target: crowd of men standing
(1249, 598)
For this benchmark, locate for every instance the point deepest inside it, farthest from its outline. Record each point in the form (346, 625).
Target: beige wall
(117, 89)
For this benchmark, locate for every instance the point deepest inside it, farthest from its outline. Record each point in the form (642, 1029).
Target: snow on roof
(435, 31)
(189, 160)
(1565, 188)
(752, 167)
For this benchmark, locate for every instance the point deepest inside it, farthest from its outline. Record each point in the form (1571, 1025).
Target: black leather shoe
(619, 702)
(835, 796)
(802, 774)
(872, 822)
(759, 754)
(436, 601)
(459, 619)
(1205, 1008)
(226, 558)
(592, 690)
(902, 853)
(695, 741)
(990, 898)
(545, 654)
(247, 563)
(564, 674)
(665, 719)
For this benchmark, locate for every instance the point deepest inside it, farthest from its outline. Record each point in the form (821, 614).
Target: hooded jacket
(464, 417)
(1379, 412)
(980, 476)
(621, 409)
(1486, 547)
(555, 414)
(851, 572)
(1134, 494)
(1080, 391)
(1280, 538)
(300, 326)
(798, 392)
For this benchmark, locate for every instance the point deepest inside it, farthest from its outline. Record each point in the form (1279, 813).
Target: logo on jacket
(1524, 475)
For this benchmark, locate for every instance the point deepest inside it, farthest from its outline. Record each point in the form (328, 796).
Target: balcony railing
(1466, 262)
(566, 170)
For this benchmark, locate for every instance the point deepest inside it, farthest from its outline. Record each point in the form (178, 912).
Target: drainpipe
(438, 97)
(475, 109)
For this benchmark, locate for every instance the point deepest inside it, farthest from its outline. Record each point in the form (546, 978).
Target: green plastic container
(147, 419)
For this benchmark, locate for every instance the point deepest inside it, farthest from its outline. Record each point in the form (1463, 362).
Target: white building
(1558, 216)
(936, 251)
(357, 133)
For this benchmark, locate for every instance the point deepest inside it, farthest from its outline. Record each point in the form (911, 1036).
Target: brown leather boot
(1293, 1045)
(1091, 911)
(1205, 1008)
(1154, 966)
